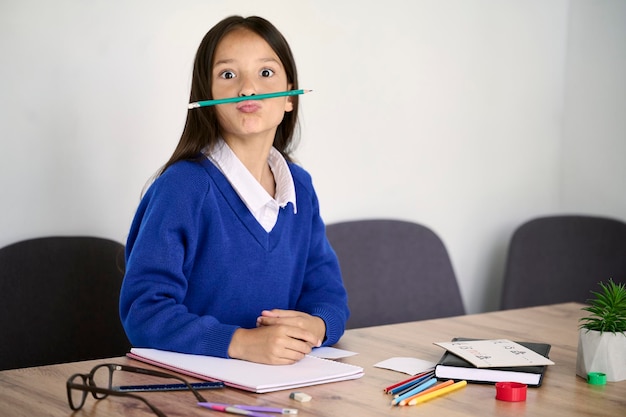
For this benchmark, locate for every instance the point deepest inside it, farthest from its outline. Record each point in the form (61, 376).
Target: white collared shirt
(263, 206)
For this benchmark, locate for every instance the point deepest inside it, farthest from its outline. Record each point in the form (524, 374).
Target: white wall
(451, 113)
(594, 127)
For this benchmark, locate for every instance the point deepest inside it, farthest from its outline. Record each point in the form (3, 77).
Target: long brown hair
(201, 127)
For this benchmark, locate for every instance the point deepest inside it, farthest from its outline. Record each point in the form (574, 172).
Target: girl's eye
(266, 72)
(227, 75)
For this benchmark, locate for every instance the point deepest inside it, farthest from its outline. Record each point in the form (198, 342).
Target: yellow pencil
(428, 391)
(437, 393)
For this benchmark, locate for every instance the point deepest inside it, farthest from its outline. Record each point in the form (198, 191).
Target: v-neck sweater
(199, 265)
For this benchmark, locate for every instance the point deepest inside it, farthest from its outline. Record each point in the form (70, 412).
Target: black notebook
(451, 366)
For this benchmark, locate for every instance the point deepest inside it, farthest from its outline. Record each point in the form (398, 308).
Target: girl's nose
(247, 88)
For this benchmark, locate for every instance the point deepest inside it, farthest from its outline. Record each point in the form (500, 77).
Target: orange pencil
(435, 388)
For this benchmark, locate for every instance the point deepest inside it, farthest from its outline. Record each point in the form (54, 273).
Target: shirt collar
(246, 186)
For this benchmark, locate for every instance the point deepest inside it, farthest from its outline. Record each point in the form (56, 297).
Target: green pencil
(206, 103)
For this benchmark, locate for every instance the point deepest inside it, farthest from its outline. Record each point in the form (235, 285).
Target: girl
(227, 254)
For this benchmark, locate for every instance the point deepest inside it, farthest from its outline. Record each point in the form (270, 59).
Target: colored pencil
(419, 388)
(413, 378)
(399, 390)
(431, 389)
(255, 408)
(232, 410)
(207, 103)
(437, 393)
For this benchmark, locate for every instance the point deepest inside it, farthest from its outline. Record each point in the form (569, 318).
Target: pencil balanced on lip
(206, 103)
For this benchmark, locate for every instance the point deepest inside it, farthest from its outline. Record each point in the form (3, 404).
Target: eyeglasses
(99, 382)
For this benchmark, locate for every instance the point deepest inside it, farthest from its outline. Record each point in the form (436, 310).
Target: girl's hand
(298, 319)
(282, 337)
(277, 344)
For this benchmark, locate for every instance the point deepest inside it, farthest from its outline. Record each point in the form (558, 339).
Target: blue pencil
(409, 385)
(419, 388)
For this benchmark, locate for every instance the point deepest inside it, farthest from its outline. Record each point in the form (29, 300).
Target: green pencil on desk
(207, 103)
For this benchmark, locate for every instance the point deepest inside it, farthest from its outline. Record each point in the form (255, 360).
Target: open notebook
(251, 376)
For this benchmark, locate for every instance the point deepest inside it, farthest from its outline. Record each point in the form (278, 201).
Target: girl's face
(245, 64)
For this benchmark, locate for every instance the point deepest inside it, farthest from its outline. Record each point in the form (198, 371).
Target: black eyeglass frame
(89, 386)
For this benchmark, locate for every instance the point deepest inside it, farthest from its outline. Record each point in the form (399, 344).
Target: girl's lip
(248, 106)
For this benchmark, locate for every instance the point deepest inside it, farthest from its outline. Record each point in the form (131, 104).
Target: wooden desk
(40, 391)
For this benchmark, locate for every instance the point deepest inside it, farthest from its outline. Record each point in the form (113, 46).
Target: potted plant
(602, 335)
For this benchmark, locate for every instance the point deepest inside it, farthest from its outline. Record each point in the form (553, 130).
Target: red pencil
(406, 381)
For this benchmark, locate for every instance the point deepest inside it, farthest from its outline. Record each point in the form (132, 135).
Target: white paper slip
(495, 353)
(411, 366)
(329, 352)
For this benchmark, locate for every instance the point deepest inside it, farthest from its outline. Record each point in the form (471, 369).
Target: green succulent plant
(607, 308)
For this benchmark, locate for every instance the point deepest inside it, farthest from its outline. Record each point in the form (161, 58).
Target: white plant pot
(601, 352)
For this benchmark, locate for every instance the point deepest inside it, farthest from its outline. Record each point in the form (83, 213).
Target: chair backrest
(557, 259)
(394, 271)
(59, 300)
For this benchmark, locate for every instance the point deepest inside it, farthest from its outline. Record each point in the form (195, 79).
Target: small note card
(411, 366)
(495, 353)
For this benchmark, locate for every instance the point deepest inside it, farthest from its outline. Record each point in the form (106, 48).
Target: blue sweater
(199, 265)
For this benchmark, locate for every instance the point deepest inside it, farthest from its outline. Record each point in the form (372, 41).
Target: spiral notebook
(250, 376)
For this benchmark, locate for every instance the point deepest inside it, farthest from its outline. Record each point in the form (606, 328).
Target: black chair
(394, 271)
(557, 259)
(59, 300)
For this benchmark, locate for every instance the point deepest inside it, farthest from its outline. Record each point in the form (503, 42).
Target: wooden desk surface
(40, 391)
